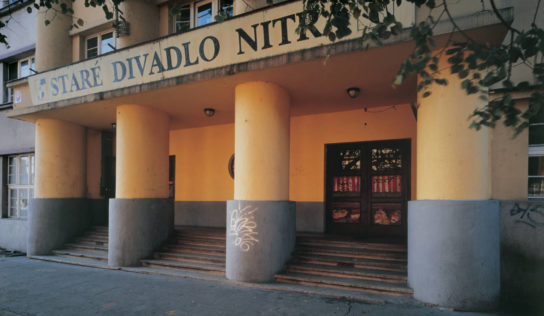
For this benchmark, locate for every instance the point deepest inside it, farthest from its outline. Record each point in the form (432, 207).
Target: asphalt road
(30, 287)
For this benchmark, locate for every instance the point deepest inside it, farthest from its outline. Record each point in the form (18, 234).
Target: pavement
(33, 287)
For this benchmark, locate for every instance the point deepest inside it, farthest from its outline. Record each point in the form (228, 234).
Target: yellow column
(261, 142)
(60, 159)
(142, 153)
(452, 160)
(53, 39)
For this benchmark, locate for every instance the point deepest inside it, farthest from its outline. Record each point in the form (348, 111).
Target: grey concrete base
(99, 211)
(522, 254)
(53, 222)
(260, 239)
(13, 234)
(454, 253)
(200, 213)
(310, 217)
(137, 227)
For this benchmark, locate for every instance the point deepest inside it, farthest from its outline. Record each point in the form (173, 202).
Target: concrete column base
(260, 239)
(454, 253)
(137, 227)
(54, 222)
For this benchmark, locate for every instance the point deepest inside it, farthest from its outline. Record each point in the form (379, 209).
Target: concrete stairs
(324, 265)
(200, 250)
(348, 264)
(89, 249)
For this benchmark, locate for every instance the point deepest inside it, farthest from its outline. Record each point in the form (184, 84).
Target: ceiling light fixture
(353, 92)
(209, 112)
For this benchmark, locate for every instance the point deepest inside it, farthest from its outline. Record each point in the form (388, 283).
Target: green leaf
(29, 9)
(80, 22)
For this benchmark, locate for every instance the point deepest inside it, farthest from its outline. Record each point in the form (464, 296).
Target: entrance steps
(324, 265)
(200, 250)
(348, 264)
(89, 249)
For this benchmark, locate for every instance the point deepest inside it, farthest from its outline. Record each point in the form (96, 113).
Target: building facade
(161, 120)
(16, 137)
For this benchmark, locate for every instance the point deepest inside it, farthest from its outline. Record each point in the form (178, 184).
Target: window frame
(98, 37)
(193, 9)
(31, 66)
(18, 187)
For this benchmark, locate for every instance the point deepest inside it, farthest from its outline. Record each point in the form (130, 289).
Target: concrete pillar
(453, 227)
(261, 220)
(141, 216)
(52, 40)
(143, 17)
(59, 210)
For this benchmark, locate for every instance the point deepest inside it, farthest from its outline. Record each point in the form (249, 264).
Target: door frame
(372, 230)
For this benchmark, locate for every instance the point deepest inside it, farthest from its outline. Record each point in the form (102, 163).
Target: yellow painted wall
(509, 161)
(202, 154)
(310, 133)
(60, 159)
(164, 20)
(94, 163)
(136, 12)
(142, 152)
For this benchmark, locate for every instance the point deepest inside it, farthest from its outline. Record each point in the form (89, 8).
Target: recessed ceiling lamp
(209, 112)
(353, 92)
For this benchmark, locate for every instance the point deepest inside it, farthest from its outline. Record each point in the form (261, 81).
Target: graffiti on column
(243, 227)
(532, 215)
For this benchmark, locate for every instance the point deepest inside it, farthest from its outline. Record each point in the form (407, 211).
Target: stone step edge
(363, 276)
(380, 287)
(282, 279)
(354, 296)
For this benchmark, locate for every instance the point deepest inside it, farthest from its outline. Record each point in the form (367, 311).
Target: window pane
(12, 203)
(227, 7)
(346, 212)
(536, 166)
(24, 170)
(386, 159)
(386, 214)
(33, 66)
(350, 159)
(536, 187)
(12, 170)
(107, 43)
(536, 134)
(12, 71)
(92, 47)
(23, 199)
(32, 172)
(24, 69)
(204, 14)
(182, 22)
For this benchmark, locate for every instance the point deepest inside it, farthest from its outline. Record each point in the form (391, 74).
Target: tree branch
(503, 21)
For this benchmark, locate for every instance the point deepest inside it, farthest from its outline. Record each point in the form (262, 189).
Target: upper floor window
(99, 44)
(17, 69)
(536, 156)
(200, 13)
(5, 3)
(20, 184)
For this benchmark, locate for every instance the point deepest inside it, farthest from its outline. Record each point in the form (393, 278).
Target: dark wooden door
(367, 187)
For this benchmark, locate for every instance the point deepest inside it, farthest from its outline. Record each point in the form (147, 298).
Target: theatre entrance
(367, 188)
